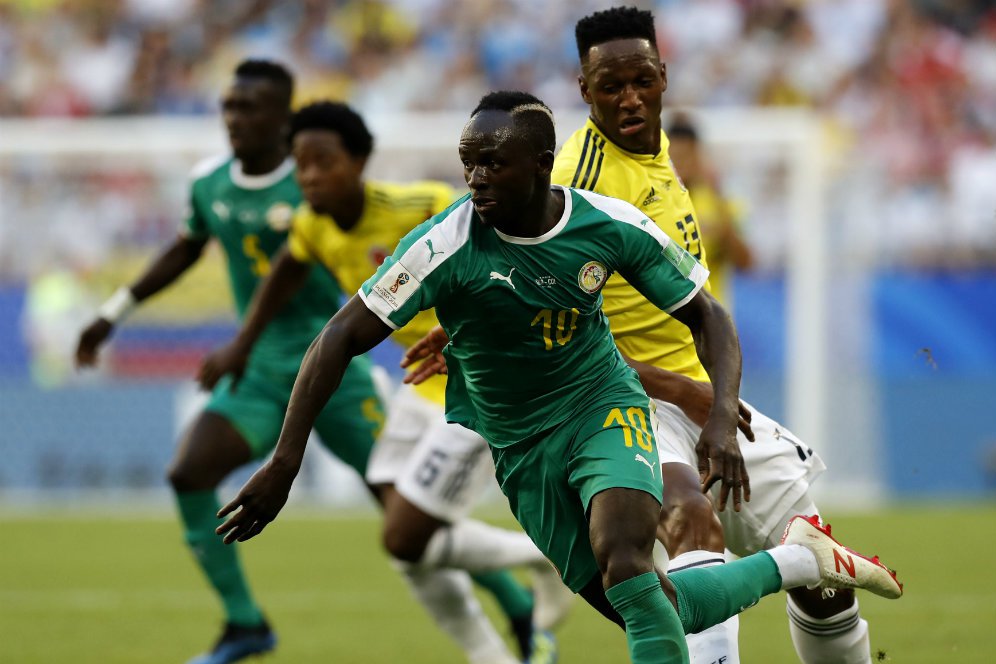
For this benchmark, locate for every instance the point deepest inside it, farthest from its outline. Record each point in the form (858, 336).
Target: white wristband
(118, 305)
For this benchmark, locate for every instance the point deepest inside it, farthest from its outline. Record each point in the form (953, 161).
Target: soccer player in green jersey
(245, 201)
(429, 474)
(514, 271)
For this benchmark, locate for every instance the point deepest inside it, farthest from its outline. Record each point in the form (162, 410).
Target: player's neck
(265, 162)
(538, 216)
(347, 211)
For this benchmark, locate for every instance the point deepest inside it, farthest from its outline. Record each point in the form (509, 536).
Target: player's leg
(824, 629)
(446, 594)
(447, 472)
(215, 445)
(613, 467)
(781, 468)
(690, 530)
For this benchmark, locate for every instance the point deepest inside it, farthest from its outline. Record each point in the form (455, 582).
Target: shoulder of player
(611, 209)
(419, 195)
(580, 162)
(209, 166)
(438, 239)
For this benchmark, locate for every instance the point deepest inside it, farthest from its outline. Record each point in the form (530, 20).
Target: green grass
(124, 589)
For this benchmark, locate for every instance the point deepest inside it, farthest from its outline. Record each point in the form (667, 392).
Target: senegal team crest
(279, 216)
(592, 276)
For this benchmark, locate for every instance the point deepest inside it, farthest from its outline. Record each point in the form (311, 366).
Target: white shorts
(441, 468)
(781, 469)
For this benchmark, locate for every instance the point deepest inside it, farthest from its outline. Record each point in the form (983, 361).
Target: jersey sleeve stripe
(584, 151)
(446, 238)
(698, 276)
(379, 307)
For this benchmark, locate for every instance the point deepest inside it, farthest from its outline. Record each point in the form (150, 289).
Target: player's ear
(544, 162)
(585, 92)
(664, 76)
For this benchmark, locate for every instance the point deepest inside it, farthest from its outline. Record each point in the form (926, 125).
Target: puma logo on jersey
(651, 198)
(501, 277)
(432, 252)
(642, 459)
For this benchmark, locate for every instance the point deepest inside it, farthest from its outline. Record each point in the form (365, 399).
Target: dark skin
(331, 179)
(255, 113)
(510, 183)
(623, 82)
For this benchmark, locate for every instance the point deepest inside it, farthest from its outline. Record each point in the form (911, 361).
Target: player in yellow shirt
(427, 473)
(622, 152)
(714, 212)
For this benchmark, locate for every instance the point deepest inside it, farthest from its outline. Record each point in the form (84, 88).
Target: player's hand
(260, 500)
(90, 341)
(720, 460)
(697, 403)
(429, 349)
(230, 359)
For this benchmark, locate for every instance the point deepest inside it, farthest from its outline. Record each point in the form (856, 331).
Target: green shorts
(551, 479)
(348, 425)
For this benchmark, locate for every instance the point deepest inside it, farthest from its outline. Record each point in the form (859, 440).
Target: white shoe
(553, 598)
(840, 567)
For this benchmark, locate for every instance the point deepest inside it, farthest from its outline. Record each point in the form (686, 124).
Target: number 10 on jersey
(635, 427)
(565, 329)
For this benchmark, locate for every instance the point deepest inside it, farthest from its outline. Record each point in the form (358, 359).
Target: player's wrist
(118, 306)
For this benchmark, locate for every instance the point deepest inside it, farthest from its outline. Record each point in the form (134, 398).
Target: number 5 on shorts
(637, 424)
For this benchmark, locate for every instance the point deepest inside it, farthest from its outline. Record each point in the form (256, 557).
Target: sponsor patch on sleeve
(683, 261)
(396, 286)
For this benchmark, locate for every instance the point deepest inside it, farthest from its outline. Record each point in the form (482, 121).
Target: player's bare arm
(717, 346)
(352, 331)
(287, 276)
(167, 268)
(693, 397)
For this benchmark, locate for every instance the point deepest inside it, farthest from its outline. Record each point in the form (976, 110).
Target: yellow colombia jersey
(713, 211)
(643, 332)
(389, 212)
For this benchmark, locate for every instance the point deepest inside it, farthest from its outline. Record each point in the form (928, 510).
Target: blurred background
(845, 167)
(850, 143)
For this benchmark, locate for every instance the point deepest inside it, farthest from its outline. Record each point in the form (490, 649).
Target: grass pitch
(123, 589)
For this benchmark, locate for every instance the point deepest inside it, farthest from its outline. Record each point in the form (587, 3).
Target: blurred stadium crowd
(909, 86)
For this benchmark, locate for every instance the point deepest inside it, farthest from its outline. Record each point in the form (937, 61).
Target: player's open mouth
(631, 126)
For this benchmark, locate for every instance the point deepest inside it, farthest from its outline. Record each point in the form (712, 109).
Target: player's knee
(182, 477)
(399, 544)
(688, 522)
(621, 558)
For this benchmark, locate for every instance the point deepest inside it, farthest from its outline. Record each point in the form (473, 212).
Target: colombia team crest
(592, 276)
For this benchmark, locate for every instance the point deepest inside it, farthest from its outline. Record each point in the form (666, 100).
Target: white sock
(717, 644)
(475, 546)
(448, 597)
(796, 564)
(839, 639)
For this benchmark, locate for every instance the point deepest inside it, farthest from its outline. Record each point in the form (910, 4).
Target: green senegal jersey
(250, 216)
(529, 345)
